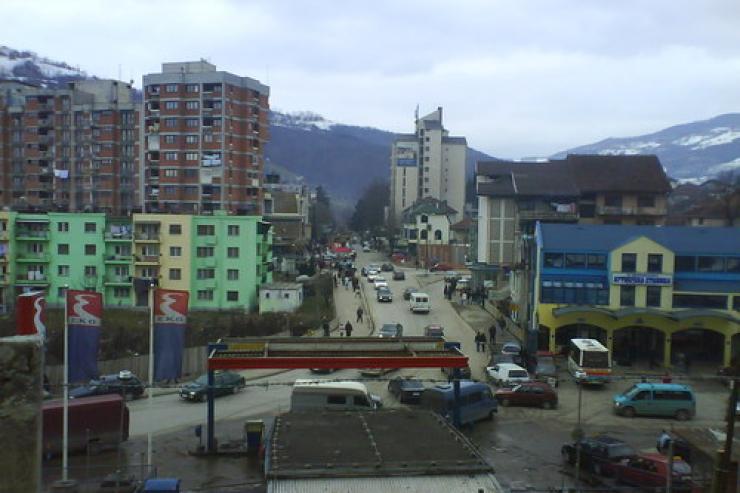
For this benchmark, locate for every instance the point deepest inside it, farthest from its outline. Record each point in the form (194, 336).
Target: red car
(537, 394)
(649, 471)
(440, 268)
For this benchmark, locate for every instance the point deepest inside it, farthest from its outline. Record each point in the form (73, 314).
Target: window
(63, 249)
(192, 105)
(191, 139)
(232, 295)
(424, 234)
(205, 294)
(233, 230)
(175, 251)
(711, 264)
(61, 292)
(733, 264)
(170, 122)
(232, 252)
(91, 270)
(206, 230)
(575, 260)
(169, 139)
(652, 297)
(170, 88)
(699, 301)
(63, 227)
(655, 262)
(736, 303)
(203, 252)
(121, 292)
(191, 156)
(336, 399)
(170, 105)
(63, 270)
(684, 264)
(596, 261)
(175, 274)
(629, 262)
(424, 218)
(587, 210)
(175, 229)
(192, 88)
(554, 260)
(170, 173)
(170, 156)
(232, 274)
(438, 235)
(206, 273)
(627, 295)
(192, 122)
(90, 249)
(613, 200)
(646, 201)
(90, 227)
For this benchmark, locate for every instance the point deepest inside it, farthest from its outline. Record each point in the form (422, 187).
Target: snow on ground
(716, 136)
(631, 148)
(301, 119)
(10, 59)
(728, 166)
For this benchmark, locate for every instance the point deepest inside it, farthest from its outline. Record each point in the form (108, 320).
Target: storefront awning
(627, 312)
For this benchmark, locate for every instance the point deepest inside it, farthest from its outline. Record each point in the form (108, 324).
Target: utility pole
(578, 436)
(669, 471)
(722, 474)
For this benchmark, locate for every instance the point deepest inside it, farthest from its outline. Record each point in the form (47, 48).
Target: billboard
(30, 314)
(405, 156)
(84, 319)
(170, 320)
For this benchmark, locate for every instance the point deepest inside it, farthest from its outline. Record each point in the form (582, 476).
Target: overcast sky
(517, 78)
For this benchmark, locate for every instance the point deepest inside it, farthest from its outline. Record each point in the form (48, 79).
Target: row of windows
(202, 295)
(173, 105)
(685, 263)
(575, 261)
(654, 262)
(175, 251)
(189, 139)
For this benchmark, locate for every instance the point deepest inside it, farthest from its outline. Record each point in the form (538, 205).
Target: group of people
(467, 295)
(481, 340)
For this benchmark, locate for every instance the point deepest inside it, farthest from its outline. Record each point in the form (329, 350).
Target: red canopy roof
(342, 250)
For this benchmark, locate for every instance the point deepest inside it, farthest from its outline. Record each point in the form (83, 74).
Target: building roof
(577, 174)
(430, 206)
(392, 484)
(682, 240)
(463, 225)
(281, 286)
(369, 444)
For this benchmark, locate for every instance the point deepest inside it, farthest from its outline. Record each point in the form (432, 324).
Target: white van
(419, 302)
(326, 395)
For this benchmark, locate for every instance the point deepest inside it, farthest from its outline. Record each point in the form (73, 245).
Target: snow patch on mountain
(631, 148)
(716, 136)
(724, 167)
(28, 66)
(305, 120)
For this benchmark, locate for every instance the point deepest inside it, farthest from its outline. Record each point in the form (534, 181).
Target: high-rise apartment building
(203, 140)
(428, 163)
(69, 149)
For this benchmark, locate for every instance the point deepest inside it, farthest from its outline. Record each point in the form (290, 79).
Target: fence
(193, 362)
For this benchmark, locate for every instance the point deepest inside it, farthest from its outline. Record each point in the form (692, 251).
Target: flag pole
(65, 412)
(151, 374)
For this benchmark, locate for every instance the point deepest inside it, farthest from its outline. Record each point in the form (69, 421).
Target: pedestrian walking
(446, 290)
(360, 311)
(348, 329)
(463, 298)
(483, 341)
(492, 334)
(325, 327)
(477, 340)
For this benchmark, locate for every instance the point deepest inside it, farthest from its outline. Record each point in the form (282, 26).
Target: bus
(589, 361)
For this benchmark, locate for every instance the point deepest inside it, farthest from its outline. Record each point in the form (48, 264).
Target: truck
(95, 423)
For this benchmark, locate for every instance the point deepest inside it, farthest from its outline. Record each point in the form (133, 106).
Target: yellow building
(663, 294)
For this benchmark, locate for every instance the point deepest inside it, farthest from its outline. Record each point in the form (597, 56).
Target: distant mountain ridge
(691, 151)
(27, 66)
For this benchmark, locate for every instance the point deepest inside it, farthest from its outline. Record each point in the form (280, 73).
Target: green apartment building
(220, 259)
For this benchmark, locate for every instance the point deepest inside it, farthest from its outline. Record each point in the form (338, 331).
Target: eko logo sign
(630, 279)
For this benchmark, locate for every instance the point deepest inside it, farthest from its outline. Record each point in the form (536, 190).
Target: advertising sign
(170, 320)
(30, 315)
(84, 319)
(634, 279)
(405, 156)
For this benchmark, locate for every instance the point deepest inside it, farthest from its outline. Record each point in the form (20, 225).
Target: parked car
(511, 348)
(545, 369)
(528, 394)
(323, 370)
(599, 454)
(384, 294)
(657, 399)
(122, 383)
(408, 291)
(226, 382)
(476, 401)
(366, 249)
(497, 358)
(391, 330)
(387, 268)
(434, 330)
(399, 275)
(380, 284)
(376, 372)
(372, 275)
(465, 373)
(408, 390)
(507, 374)
(651, 471)
(440, 268)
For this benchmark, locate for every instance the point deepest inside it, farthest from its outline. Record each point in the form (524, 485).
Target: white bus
(589, 361)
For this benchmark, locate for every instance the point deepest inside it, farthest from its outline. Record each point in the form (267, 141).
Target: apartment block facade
(69, 149)
(220, 259)
(428, 163)
(203, 139)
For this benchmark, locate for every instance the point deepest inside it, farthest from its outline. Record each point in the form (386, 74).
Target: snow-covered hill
(696, 151)
(27, 66)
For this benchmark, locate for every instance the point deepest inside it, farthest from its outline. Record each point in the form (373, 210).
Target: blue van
(657, 399)
(476, 401)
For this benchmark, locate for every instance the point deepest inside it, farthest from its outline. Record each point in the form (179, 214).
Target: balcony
(31, 234)
(547, 215)
(118, 259)
(147, 260)
(4, 279)
(33, 258)
(113, 280)
(123, 236)
(609, 210)
(32, 278)
(147, 237)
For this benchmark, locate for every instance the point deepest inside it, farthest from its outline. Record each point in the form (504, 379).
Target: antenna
(416, 112)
